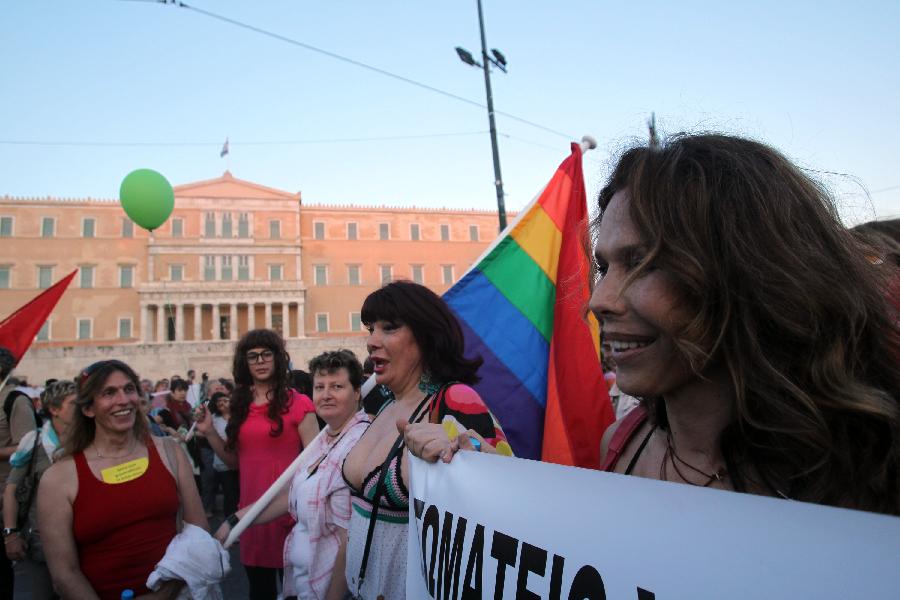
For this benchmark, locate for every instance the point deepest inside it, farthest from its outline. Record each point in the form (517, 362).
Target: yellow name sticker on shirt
(126, 471)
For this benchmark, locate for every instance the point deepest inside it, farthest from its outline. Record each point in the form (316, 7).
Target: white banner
(486, 526)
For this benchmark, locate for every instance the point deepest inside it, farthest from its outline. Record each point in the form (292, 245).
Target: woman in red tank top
(108, 509)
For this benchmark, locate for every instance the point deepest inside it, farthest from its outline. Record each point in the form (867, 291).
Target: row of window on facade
(384, 231)
(84, 327)
(224, 228)
(222, 270)
(385, 272)
(176, 227)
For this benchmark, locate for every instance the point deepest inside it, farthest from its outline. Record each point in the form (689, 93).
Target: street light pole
(498, 179)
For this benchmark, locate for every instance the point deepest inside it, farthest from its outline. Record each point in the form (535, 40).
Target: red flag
(17, 331)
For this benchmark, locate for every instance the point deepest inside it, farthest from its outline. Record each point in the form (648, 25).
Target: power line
(120, 144)
(357, 63)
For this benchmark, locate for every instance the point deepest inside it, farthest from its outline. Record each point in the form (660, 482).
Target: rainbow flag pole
(522, 307)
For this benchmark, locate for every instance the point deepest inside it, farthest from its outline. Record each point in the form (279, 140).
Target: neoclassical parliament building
(234, 255)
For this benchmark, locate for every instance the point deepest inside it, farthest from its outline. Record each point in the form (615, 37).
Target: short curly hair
(331, 361)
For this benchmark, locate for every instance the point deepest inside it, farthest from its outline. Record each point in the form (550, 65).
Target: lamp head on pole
(466, 57)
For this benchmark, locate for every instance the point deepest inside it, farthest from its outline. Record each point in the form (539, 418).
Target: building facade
(233, 255)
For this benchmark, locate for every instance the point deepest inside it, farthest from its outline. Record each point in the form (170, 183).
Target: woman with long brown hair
(108, 509)
(270, 424)
(752, 326)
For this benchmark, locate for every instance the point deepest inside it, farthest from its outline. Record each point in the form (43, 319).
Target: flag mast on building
(522, 308)
(224, 151)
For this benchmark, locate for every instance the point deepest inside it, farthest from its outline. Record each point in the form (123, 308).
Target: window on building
(414, 232)
(177, 228)
(209, 268)
(88, 225)
(318, 230)
(45, 277)
(226, 274)
(87, 277)
(126, 276)
(6, 226)
(355, 322)
(127, 228)
(84, 329)
(209, 227)
(418, 274)
(387, 273)
(353, 274)
(244, 268)
(320, 274)
(352, 231)
(176, 272)
(447, 271)
(275, 272)
(384, 231)
(48, 227)
(445, 233)
(243, 225)
(275, 229)
(226, 225)
(322, 322)
(43, 334)
(125, 328)
(473, 233)
(5, 277)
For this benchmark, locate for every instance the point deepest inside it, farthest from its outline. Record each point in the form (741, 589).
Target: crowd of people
(755, 339)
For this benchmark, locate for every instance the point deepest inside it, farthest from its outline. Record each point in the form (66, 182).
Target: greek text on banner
(493, 527)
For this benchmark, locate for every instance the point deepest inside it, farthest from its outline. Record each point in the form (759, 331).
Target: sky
(91, 90)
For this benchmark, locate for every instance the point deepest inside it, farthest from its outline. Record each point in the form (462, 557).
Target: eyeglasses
(260, 357)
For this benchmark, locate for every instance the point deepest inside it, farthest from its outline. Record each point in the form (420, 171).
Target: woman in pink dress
(270, 424)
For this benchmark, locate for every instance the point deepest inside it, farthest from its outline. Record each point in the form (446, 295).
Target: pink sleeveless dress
(262, 458)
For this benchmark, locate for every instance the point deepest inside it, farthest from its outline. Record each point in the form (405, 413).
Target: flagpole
(587, 143)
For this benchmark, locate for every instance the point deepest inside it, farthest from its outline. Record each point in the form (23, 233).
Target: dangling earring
(427, 385)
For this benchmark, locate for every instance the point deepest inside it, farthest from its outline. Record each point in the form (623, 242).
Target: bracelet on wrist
(232, 520)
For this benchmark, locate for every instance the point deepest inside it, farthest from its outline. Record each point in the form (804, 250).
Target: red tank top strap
(630, 423)
(82, 468)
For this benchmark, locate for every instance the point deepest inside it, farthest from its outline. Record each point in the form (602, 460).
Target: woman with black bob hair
(752, 326)
(416, 346)
(270, 424)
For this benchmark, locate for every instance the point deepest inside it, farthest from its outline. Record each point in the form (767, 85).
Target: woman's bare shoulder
(61, 477)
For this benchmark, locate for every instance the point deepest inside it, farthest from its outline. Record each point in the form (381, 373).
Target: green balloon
(147, 198)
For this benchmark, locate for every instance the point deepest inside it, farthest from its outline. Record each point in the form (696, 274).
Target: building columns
(145, 323)
(301, 318)
(198, 319)
(216, 325)
(286, 319)
(179, 322)
(160, 323)
(233, 325)
(251, 316)
(268, 315)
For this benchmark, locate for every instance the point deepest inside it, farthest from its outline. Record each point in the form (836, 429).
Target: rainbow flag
(522, 307)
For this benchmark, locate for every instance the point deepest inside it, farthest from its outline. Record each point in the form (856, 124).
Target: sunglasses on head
(93, 368)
